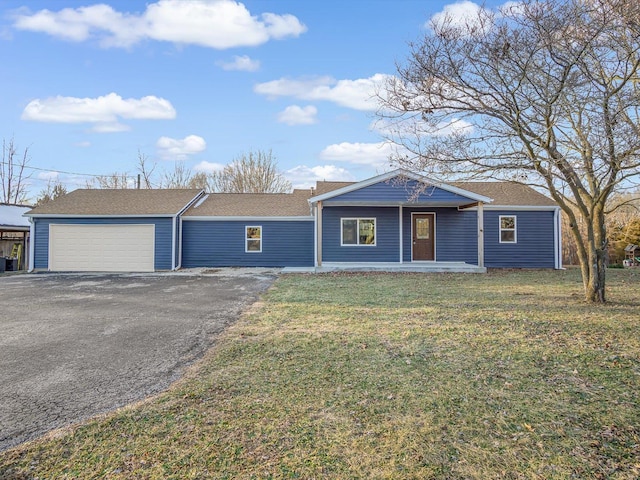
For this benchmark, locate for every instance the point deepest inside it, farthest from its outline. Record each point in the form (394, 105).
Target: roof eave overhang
(13, 228)
(522, 208)
(244, 218)
(114, 215)
(450, 204)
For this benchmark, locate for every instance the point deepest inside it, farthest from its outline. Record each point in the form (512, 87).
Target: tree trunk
(595, 286)
(593, 258)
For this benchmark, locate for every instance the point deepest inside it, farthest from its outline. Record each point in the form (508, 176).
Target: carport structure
(110, 230)
(14, 229)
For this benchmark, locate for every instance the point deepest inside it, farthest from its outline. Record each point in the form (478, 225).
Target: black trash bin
(11, 264)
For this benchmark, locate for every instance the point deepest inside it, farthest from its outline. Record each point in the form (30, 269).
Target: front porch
(412, 267)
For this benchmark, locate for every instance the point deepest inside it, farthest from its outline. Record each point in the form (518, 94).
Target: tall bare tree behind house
(12, 173)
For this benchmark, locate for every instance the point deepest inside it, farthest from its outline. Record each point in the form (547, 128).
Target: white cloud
(467, 14)
(455, 126)
(173, 148)
(358, 94)
(306, 177)
(114, 127)
(208, 167)
(243, 64)
(455, 15)
(218, 24)
(296, 115)
(372, 154)
(48, 176)
(104, 111)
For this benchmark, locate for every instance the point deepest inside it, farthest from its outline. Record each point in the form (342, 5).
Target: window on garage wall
(253, 239)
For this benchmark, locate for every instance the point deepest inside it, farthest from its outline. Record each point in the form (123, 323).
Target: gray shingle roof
(118, 202)
(253, 205)
(507, 193)
(170, 201)
(326, 187)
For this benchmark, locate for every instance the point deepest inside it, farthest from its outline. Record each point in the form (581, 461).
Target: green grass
(504, 375)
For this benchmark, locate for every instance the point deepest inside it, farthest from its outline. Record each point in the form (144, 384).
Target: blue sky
(87, 85)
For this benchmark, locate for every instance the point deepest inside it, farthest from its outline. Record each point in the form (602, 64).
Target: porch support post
(319, 234)
(401, 234)
(480, 234)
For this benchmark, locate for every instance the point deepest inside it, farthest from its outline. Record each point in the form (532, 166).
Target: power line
(59, 171)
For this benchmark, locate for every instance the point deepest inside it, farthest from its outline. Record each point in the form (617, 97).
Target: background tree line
(622, 225)
(252, 172)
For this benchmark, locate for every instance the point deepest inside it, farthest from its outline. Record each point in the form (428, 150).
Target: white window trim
(246, 238)
(515, 228)
(358, 219)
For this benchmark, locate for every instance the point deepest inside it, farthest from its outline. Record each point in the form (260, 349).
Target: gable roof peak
(404, 173)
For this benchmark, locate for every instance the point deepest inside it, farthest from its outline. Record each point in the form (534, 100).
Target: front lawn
(504, 375)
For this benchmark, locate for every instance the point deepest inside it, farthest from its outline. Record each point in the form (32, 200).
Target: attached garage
(102, 248)
(109, 230)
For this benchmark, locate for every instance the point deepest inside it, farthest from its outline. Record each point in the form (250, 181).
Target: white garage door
(101, 248)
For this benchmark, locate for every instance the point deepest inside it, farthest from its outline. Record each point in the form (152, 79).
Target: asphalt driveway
(72, 346)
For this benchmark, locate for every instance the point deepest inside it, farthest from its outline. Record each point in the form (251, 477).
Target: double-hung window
(508, 232)
(253, 239)
(358, 231)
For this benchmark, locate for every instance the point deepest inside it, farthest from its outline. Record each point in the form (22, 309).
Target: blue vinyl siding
(456, 234)
(390, 192)
(387, 247)
(222, 244)
(535, 237)
(163, 236)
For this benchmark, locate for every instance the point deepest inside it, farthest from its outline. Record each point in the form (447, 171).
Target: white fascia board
(62, 215)
(245, 219)
(13, 228)
(396, 204)
(397, 173)
(190, 202)
(521, 208)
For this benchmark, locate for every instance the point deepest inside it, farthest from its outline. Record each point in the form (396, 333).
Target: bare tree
(12, 174)
(623, 225)
(145, 171)
(179, 177)
(201, 180)
(543, 92)
(255, 172)
(53, 190)
(623, 210)
(116, 180)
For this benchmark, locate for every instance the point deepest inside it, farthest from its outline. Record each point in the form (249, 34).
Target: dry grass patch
(505, 375)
